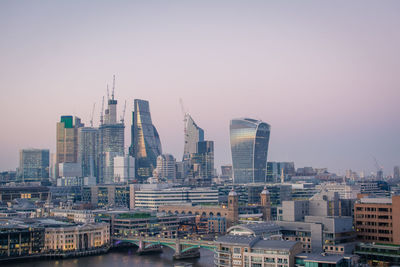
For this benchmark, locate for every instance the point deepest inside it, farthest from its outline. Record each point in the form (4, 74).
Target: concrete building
(345, 191)
(124, 169)
(107, 196)
(230, 212)
(76, 216)
(33, 165)
(166, 167)
(69, 169)
(237, 250)
(201, 169)
(155, 197)
(378, 219)
(321, 234)
(67, 238)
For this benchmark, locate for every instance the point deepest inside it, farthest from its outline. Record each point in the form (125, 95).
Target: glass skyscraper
(249, 146)
(193, 134)
(146, 144)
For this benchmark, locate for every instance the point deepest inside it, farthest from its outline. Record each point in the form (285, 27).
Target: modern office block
(249, 146)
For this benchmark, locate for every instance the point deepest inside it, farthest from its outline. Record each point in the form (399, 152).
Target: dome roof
(265, 191)
(232, 193)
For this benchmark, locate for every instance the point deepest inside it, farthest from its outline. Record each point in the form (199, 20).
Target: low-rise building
(241, 250)
(68, 238)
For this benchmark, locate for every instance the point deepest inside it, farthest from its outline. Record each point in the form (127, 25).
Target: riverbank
(121, 257)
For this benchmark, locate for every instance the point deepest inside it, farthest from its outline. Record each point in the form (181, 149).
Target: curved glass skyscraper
(249, 146)
(146, 144)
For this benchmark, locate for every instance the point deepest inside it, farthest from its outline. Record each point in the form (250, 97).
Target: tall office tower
(110, 141)
(396, 172)
(124, 169)
(193, 134)
(202, 164)
(34, 164)
(249, 146)
(87, 151)
(67, 141)
(166, 167)
(275, 171)
(52, 168)
(146, 144)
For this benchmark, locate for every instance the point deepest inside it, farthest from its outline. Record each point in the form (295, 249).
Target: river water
(121, 257)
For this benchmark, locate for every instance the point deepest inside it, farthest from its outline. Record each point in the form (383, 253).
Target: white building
(166, 167)
(69, 169)
(124, 169)
(77, 237)
(153, 197)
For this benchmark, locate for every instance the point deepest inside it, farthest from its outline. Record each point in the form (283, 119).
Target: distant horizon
(324, 75)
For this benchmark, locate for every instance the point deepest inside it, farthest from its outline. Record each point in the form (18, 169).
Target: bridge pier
(147, 249)
(191, 253)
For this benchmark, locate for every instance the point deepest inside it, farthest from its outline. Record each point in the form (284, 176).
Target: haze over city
(324, 75)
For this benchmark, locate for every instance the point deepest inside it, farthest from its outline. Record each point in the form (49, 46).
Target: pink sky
(325, 75)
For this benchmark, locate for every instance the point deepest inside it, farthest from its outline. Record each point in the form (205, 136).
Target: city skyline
(331, 99)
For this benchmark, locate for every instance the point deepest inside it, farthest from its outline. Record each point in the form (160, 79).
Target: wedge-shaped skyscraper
(249, 146)
(146, 144)
(193, 135)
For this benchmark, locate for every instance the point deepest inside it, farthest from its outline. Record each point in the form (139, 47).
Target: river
(122, 257)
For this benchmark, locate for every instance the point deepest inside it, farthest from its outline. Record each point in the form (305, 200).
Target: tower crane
(102, 112)
(123, 113)
(91, 119)
(379, 169)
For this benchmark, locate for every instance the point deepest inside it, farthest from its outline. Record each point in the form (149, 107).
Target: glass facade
(193, 134)
(34, 164)
(146, 146)
(249, 146)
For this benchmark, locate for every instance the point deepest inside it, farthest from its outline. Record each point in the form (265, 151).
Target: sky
(324, 74)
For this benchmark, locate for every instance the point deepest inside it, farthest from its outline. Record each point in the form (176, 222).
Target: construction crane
(184, 113)
(91, 118)
(379, 169)
(101, 112)
(123, 113)
(108, 94)
(113, 88)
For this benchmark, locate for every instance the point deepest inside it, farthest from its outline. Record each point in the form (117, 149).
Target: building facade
(193, 134)
(110, 141)
(238, 250)
(67, 140)
(124, 169)
(88, 151)
(34, 164)
(77, 237)
(146, 144)
(166, 167)
(249, 146)
(378, 220)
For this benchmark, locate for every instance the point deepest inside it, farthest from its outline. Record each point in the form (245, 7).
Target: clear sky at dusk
(324, 74)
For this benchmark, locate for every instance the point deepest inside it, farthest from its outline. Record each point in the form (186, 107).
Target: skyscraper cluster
(98, 153)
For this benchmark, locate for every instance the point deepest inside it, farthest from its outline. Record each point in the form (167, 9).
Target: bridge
(184, 248)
